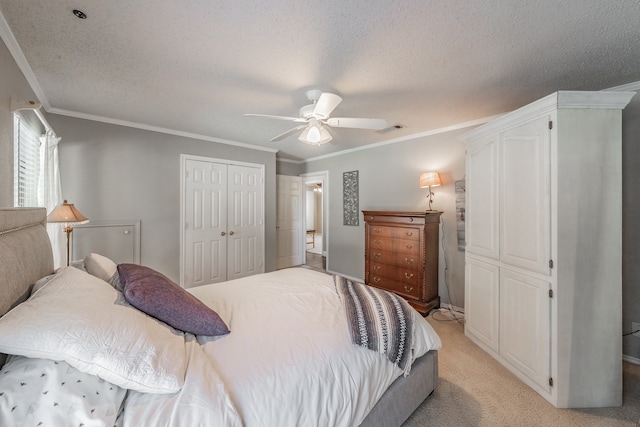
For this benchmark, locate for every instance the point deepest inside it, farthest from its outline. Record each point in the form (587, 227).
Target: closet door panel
(525, 196)
(481, 219)
(482, 292)
(525, 328)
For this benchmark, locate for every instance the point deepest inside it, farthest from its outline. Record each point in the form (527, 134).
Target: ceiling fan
(316, 116)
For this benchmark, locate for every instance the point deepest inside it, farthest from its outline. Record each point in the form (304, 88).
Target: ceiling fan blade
(268, 116)
(326, 104)
(287, 133)
(347, 122)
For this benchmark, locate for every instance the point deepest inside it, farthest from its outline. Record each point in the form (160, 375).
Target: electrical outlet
(635, 327)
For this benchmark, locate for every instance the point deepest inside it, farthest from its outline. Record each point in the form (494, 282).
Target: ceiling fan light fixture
(322, 137)
(313, 135)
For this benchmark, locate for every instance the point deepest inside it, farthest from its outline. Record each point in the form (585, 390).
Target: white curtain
(50, 193)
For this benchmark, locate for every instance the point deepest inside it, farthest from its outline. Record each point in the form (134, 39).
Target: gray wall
(114, 173)
(388, 180)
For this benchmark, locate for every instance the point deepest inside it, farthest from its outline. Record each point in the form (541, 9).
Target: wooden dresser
(401, 255)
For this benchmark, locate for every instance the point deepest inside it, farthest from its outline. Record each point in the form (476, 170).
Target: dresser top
(401, 213)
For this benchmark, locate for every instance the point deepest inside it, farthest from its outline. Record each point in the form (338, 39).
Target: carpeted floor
(475, 390)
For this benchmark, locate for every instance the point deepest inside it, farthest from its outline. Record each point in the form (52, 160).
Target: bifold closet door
(205, 228)
(223, 222)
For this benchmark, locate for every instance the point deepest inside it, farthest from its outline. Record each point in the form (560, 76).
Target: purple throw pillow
(155, 294)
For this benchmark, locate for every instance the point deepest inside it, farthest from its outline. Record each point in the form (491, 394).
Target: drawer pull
(409, 233)
(376, 230)
(409, 261)
(377, 254)
(376, 241)
(377, 280)
(408, 289)
(408, 276)
(376, 268)
(409, 246)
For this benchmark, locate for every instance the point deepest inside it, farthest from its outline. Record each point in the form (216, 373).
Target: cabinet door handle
(408, 289)
(223, 234)
(231, 233)
(408, 276)
(408, 260)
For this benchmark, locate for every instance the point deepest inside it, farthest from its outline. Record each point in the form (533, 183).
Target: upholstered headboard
(25, 253)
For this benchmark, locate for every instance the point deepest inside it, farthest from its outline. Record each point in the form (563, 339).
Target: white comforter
(288, 360)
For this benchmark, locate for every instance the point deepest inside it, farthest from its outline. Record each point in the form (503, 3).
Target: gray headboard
(25, 253)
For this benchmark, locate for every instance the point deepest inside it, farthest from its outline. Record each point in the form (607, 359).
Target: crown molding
(14, 48)
(158, 129)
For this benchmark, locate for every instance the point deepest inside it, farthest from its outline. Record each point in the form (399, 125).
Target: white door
(525, 330)
(482, 298)
(223, 221)
(205, 219)
(290, 233)
(482, 201)
(245, 222)
(525, 196)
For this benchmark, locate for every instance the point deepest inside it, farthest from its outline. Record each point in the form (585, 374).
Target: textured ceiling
(195, 67)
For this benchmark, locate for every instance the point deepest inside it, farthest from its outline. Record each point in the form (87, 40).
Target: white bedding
(288, 360)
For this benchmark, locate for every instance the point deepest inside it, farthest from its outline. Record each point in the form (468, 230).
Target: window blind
(26, 162)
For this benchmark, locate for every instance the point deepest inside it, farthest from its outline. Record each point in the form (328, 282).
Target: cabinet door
(525, 196)
(525, 333)
(481, 301)
(481, 215)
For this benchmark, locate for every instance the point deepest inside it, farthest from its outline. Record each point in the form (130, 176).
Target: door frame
(313, 178)
(183, 160)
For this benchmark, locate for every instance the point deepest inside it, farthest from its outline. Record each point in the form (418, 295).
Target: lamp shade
(429, 179)
(67, 213)
(315, 135)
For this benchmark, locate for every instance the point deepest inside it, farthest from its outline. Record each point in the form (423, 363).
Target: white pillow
(77, 318)
(100, 266)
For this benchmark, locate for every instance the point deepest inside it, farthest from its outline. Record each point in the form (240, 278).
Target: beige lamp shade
(429, 179)
(67, 213)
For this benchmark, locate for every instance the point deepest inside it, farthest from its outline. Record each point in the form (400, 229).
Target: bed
(88, 346)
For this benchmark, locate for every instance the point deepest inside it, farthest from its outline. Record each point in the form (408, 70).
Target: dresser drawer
(395, 245)
(399, 274)
(406, 233)
(408, 261)
(407, 290)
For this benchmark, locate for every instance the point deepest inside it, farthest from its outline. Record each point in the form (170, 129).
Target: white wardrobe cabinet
(543, 245)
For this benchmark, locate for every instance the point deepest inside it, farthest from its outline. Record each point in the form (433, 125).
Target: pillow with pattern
(44, 392)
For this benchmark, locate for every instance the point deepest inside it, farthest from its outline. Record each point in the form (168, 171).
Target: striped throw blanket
(378, 320)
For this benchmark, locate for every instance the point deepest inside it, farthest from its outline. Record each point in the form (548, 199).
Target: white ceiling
(195, 67)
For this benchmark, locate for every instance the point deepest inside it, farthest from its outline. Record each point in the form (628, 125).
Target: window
(26, 166)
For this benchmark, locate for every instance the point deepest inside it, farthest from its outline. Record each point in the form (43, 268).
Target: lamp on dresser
(428, 180)
(68, 214)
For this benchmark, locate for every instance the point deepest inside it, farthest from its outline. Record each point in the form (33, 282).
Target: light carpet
(475, 390)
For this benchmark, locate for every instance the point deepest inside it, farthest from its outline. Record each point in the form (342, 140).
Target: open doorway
(315, 222)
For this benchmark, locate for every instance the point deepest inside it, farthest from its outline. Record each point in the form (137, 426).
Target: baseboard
(631, 359)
